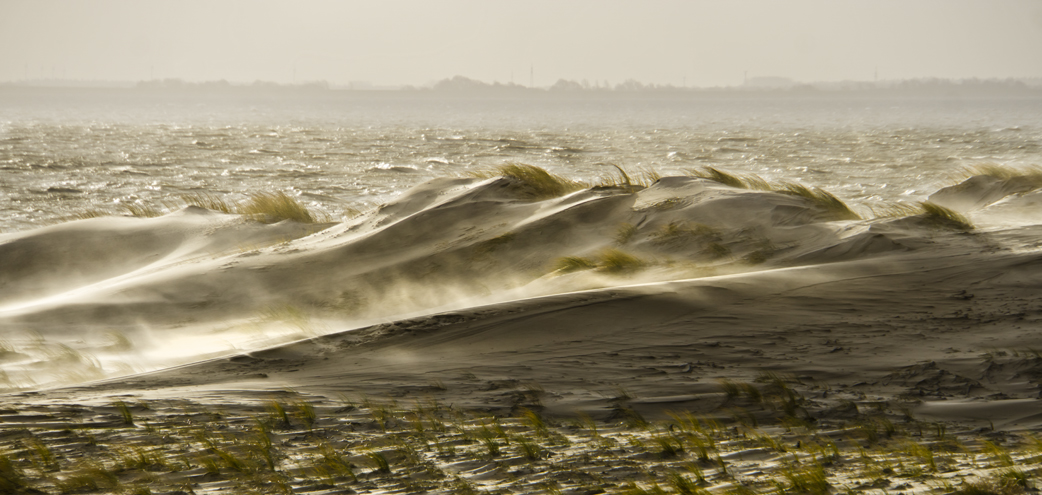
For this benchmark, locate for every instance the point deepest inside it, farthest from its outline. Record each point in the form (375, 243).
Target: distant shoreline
(923, 93)
(461, 87)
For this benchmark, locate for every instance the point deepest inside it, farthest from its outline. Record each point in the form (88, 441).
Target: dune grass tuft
(208, 201)
(616, 261)
(275, 207)
(720, 176)
(895, 210)
(142, 210)
(622, 179)
(124, 412)
(821, 198)
(88, 213)
(1032, 175)
(940, 216)
(538, 183)
(570, 264)
(935, 214)
(611, 261)
(12, 480)
(625, 233)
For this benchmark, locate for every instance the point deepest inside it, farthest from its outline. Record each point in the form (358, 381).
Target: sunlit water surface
(67, 151)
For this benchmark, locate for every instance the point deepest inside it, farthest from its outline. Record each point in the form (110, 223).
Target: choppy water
(64, 151)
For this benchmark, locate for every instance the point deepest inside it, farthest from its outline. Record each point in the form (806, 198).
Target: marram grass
(419, 446)
(834, 207)
(613, 261)
(274, 207)
(1031, 174)
(720, 176)
(822, 199)
(208, 201)
(266, 207)
(537, 183)
(944, 217)
(622, 179)
(934, 214)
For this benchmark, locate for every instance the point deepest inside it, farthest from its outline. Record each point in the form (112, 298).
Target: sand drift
(483, 290)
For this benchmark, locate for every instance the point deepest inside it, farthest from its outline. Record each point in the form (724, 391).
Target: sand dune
(688, 268)
(601, 301)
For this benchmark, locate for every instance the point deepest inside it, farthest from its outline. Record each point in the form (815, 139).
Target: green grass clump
(933, 213)
(1030, 175)
(89, 213)
(611, 261)
(12, 480)
(896, 210)
(306, 413)
(379, 461)
(821, 198)
(570, 264)
(89, 479)
(625, 233)
(124, 412)
(538, 183)
(622, 179)
(810, 480)
(615, 261)
(720, 176)
(143, 210)
(275, 207)
(678, 230)
(989, 487)
(208, 201)
(940, 216)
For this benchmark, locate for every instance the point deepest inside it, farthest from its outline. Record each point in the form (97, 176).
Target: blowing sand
(688, 336)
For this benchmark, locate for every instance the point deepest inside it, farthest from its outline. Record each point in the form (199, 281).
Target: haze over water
(67, 151)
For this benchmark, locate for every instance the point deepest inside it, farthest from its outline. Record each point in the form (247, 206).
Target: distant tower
(745, 77)
(531, 76)
(877, 74)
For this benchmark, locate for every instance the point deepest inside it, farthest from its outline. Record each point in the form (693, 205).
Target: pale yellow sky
(393, 42)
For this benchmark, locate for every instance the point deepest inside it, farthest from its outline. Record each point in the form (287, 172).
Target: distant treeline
(913, 86)
(459, 85)
(178, 84)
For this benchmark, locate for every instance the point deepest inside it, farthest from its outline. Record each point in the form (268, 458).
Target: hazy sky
(392, 42)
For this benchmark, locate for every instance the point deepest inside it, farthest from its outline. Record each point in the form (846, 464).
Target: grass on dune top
(1031, 174)
(822, 199)
(538, 183)
(934, 214)
(275, 207)
(264, 207)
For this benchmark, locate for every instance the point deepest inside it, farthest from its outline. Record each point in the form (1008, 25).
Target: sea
(65, 151)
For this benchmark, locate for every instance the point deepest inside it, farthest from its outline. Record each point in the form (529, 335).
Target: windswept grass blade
(538, 183)
(275, 207)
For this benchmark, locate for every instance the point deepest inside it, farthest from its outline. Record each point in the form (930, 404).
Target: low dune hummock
(608, 302)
